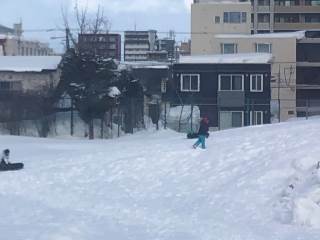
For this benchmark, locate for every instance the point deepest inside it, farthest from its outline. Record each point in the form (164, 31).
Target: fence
(64, 120)
(185, 117)
(134, 115)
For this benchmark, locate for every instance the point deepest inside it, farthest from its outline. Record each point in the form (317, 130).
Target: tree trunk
(91, 130)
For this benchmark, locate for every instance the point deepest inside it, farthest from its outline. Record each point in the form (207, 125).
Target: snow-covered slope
(257, 183)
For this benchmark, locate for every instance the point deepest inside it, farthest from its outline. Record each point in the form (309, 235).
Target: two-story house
(231, 90)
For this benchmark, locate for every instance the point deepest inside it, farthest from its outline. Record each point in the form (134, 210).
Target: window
(229, 48)
(231, 82)
(234, 17)
(256, 118)
(263, 48)
(217, 19)
(10, 86)
(256, 83)
(232, 119)
(190, 82)
(263, 18)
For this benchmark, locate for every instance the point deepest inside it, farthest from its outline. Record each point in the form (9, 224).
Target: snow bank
(182, 115)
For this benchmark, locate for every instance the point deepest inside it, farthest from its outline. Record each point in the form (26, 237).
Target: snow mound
(253, 183)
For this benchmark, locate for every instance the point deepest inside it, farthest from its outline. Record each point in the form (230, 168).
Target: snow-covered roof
(228, 58)
(145, 64)
(29, 63)
(219, 2)
(298, 35)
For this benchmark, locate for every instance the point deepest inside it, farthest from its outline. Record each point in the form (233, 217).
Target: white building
(12, 43)
(138, 44)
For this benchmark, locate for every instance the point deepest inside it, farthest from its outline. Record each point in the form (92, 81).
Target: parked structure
(232, 90)
(107, 45)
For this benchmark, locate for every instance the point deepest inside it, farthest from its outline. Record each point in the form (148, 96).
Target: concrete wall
(204, 26)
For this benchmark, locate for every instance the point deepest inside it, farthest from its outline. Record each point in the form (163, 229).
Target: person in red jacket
(203, 133)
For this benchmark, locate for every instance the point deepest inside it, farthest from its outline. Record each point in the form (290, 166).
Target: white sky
(161, 15)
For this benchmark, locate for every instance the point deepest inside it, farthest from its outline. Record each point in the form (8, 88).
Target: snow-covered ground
(256, 183)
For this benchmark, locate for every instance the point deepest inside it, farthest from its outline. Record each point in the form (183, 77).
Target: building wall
(31, 82)
(16, 47)
(204, 26)
(283, 68)
(106, 45)
(208, 97)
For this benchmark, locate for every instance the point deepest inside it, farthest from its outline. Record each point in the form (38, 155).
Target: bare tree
(87, 23)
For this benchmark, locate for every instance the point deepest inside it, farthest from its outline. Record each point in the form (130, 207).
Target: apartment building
(107, 45)
(285, 15)
(137, 44)
(308, 77)
(210, 18)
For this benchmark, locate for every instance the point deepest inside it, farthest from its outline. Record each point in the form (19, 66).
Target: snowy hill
(256, 183)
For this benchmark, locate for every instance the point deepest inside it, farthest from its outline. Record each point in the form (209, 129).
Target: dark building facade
(308, 74)
(168, 45)
(230, 95)
(107, 45)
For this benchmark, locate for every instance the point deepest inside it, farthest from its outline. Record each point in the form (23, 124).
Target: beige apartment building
(285, 15)
(215, 31)
(280, 15)
(213, 18)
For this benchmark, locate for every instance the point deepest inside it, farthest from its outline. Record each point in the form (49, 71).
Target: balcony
(295, 26)
(263, 26)
(263, 9)
(297, 9)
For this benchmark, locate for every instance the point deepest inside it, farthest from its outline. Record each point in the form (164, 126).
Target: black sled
(11, 167)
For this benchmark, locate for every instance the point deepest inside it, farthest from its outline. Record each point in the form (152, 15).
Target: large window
(190, 82)
(229, 48)
(231, 82)
(256, 83)
(263, 48)
(234, 17)
(230, 119)
(256, 118)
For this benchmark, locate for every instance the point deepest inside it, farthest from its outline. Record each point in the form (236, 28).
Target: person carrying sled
(203, 133)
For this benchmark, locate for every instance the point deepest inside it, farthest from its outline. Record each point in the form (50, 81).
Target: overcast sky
(161, 15)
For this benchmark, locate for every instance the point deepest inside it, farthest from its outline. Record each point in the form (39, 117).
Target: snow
(29, 63)
(228, 58)
(298, 35)
(113, 92)
(153, 185)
